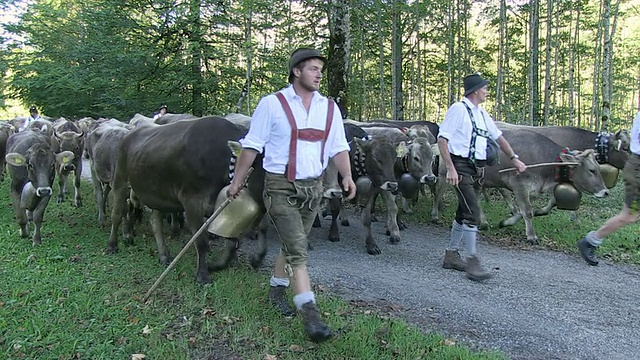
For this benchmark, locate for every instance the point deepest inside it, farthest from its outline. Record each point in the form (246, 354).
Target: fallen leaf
(146, 330)
(367, 312)
(296, 348)
(449, 342)
(138, 356)
(208, 312)
(270, 357)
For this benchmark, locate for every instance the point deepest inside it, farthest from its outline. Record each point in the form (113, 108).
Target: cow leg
(484, 224)
(440, 189)
(62, 184)
(77, 198)
(229, 254)
(372, 247)
(20, 212)
(523, 200)
(334, 204)
(156, 226)
(98, 194)
(392, 216)
(194, 218)
(258, 257)
(547, 209)
(118, 213)
(38, 216)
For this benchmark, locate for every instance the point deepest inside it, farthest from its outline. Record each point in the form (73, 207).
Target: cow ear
(236, 147)
(65, 157)
(567, 157)
(361, 145)
(401, 149)
(16, 159)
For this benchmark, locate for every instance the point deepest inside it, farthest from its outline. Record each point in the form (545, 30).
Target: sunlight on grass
(66, 299)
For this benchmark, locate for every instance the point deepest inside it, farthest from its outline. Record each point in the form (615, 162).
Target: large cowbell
(238, 216)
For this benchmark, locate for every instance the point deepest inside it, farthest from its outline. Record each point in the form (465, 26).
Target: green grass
(67, 299)
(557, 231)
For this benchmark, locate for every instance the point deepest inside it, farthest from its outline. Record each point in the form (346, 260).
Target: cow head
(40, 162)
(586, 175)
(418, 159)
(377, 157)
(69, 141)
(619, 148)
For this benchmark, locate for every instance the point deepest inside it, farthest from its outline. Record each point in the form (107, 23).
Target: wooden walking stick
(568, 163)
(194, 237)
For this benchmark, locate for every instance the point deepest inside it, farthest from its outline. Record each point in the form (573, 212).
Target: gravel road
(539, 305)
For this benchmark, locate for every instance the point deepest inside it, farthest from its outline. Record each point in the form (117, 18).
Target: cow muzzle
(69, 167)
(391, 186)
(428, 179)
(44, 191)
(602, 193)
(334, 193)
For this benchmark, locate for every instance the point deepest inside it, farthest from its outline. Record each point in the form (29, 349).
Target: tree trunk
(195, 45)
(338, 64)
(397, 105)
(547, 72)
(383, 97)
(597, 75)
(572, 61)
(501, 61)
(246, 90)
(534, 92)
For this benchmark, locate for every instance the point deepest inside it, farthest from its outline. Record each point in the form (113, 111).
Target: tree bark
(338, 63)
(397, 100)
(534, 53)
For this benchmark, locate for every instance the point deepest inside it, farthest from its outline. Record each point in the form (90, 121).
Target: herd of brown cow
(179, 163)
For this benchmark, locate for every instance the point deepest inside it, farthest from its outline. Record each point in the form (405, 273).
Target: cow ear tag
(401, 150)
(17, 160)
(66, 159)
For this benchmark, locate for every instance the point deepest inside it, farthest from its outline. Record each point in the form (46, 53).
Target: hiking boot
(587, 251)
(453, 260)
(314, 326)
(475, 271)
(278, 299)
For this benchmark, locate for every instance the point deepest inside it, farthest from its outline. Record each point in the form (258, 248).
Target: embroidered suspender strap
(305, 134)
(291, 166)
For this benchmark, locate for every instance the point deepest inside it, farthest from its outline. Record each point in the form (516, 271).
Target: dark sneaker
(587, 251)
(453, 260)
(317, 330)
(277, 298)
(475, 271)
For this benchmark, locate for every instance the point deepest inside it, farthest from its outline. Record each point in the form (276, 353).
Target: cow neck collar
(602, 147)
(358, 163)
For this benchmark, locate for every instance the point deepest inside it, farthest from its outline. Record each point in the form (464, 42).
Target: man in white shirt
(161, 112)
(630, 207)
(299, 130)
(462, 141)
(32, 117)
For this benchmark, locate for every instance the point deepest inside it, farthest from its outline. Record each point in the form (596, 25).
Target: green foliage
(67, 299)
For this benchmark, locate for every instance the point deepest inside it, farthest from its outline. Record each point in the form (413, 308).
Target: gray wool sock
(469, 236)
(456, 236)
(593, 240)
(274, 281)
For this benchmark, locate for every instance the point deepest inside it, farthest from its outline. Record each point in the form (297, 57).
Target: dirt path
(540, 305)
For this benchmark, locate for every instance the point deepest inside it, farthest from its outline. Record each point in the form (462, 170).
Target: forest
(566, 62)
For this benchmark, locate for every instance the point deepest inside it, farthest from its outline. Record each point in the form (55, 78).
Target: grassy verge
(66, 299)
(557, 231)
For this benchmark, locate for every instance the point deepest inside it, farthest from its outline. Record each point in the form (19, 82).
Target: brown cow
(68, 137)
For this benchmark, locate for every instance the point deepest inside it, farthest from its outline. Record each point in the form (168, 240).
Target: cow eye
(416, 158)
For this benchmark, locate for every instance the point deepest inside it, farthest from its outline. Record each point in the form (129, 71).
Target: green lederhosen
(292, 207)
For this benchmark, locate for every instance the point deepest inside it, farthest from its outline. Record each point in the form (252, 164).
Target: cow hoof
(317, 223)
(373, 250)
(78, 203)
(309, 246)
(402, 225)
(165, 260)
(394, 239)
(203, 279)
(436, 221)
(484, 226)
(334, 238)
(533, 241)
(24, 232)
(112, 250)
(344, 222)
(36, 241)
(59, 200)
(256, 262)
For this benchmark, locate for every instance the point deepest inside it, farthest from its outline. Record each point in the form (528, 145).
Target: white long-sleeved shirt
(635, 135)
(28, 121)
(456, 127)
(270, 131)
